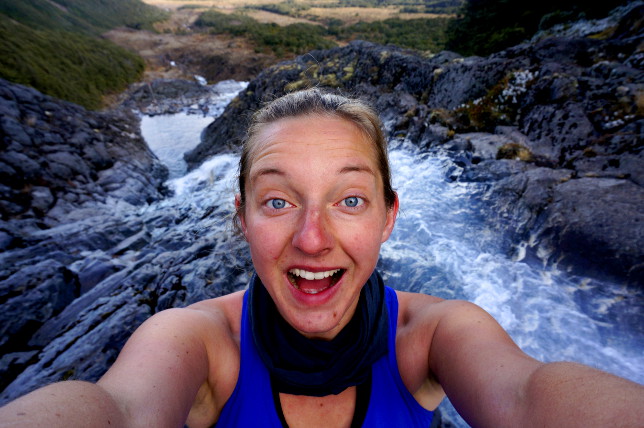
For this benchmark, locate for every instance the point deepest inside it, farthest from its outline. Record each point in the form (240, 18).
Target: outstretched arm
(155, 381)
(491, 382)
(65, 404)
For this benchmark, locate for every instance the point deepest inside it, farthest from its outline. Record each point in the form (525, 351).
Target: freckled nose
(312, 235)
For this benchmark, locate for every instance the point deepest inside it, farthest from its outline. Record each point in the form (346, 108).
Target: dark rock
(11, 365)
(92, 271)
(594, 227)
(60, 147)
(45, 288)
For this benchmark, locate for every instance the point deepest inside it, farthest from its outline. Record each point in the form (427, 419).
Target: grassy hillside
(54, 46)
(290, 39)
(85, 16)
(423, 34)
(66, 65)
(301, 8)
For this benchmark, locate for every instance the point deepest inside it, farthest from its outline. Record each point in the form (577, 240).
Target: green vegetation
(419, 6)
(82, 16)
(290, 39)
(73, 67)
(54, 46)
(190, 6)
(289, 8)
(500, 106)
(298, 9)
(487, 26)
(420, 34)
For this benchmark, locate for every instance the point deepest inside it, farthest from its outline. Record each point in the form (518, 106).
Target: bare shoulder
(417, 320)
(417, 310)
(433, 320)
(182, 362)
(412, 306)
(201, 321)
(434, 333)
(225, 310)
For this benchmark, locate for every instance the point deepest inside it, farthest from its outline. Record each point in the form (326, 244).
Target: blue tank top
(390, 403)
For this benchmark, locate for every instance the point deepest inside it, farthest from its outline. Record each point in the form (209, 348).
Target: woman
(318, 340)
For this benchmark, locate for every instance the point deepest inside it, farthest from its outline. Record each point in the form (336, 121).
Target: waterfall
(442, 246)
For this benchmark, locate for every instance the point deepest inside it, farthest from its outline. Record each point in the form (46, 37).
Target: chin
(321, 324)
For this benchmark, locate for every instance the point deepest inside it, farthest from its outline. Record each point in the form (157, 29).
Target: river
(442, 246)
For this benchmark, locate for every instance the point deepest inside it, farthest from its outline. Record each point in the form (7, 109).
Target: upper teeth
(313, 275)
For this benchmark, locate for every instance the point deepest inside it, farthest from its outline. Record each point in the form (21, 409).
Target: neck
(318, 368)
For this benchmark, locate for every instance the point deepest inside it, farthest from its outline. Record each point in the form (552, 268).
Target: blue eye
(352, 201)
(277, 204)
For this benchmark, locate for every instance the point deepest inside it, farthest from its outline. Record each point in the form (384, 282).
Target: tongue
(314, 285)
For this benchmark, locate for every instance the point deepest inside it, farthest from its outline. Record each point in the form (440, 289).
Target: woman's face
(315, 218)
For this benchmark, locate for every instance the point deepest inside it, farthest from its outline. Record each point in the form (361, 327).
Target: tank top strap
(251, 403)
(391, 403)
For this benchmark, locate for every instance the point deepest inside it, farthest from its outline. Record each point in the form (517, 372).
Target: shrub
(290, 39)
(74, 67)
(420, 34)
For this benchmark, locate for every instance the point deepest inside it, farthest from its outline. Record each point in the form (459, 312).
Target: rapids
(441, 245)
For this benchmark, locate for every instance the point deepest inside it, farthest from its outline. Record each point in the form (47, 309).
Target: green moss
(297, 85)
(478, 115)
(515, 151)
(330, 80)
(349, 70)
(499, 106)
(68, 374)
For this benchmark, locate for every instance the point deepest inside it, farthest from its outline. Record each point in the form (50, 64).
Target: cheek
(266, 240)
(366, 239)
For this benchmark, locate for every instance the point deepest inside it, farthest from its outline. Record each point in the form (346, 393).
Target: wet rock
(595, 219)
(45, 288)
(54, 150)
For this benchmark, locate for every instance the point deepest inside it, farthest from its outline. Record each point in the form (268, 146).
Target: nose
(312, 235)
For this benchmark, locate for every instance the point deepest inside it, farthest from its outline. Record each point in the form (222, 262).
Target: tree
(483, 27)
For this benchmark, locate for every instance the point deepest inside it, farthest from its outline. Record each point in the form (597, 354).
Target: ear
(240, 213)
(392, 213)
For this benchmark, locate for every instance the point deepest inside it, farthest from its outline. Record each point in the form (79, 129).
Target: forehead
(310, 137)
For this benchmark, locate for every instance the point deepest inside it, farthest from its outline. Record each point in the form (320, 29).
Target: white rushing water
(171, 135)
(441, 246)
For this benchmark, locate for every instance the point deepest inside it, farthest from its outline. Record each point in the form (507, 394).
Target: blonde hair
(317, 101)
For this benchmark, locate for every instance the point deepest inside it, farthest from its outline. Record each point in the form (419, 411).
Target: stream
(442, 246)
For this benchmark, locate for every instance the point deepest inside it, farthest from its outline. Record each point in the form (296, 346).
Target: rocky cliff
(554, 126)
(64, 173)
(58, 158)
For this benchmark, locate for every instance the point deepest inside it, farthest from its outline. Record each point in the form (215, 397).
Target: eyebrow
(344, 170)
(266, 171)
(356, 168)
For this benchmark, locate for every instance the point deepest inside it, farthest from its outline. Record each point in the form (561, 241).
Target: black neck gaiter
(303, 366)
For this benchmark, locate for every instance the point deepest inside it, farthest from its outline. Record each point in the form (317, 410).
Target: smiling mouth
(314, 282)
